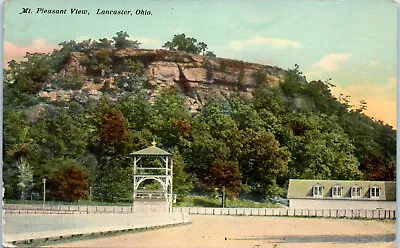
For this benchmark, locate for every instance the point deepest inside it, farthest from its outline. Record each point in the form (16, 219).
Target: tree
(262, 161)
(113, 128)
(25, 177)
(121, 41)
(322, 150)
(224, 174)
(103, 43)
(170, 118)
(210, 54)
(180, 42)
(293, 82)
(114, 182)
(68, 181)
(202, 47)
(181, 181)
(32, 75)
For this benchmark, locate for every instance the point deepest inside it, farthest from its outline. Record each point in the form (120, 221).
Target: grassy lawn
(206, 201)
(188, 201)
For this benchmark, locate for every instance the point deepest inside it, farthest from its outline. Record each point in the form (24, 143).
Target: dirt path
(257, 232)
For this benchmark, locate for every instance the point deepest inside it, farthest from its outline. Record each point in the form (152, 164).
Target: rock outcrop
(199, 78)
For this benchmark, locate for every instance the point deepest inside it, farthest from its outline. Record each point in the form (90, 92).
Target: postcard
(199, 123)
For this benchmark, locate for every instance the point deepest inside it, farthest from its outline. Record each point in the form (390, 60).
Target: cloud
(312, 74)
(264, 41)
(331, 61)
(381, 99)
(17, 53)
(147, 42)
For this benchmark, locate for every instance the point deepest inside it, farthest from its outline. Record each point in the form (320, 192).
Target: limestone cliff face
(198, 78)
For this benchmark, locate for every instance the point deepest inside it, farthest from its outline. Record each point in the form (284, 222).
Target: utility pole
(223, 196)
(44, 191)
(90, 195)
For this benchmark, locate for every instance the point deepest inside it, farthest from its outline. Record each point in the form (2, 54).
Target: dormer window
(337, 191)
(355, 191)
(318, 190)
(374, 192)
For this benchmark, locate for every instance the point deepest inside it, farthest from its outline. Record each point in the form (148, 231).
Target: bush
(70, 83)
(68, 182)
(273, 190)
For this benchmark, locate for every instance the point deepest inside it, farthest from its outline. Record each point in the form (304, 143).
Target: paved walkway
(30, 227)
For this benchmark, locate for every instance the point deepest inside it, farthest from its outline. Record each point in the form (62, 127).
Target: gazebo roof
(152, 151)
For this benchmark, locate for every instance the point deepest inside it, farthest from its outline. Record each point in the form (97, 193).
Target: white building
(341, 194)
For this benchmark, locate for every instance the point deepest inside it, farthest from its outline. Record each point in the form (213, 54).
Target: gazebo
(145, 168)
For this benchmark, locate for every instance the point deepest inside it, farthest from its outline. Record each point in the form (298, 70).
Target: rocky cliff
(199, 78)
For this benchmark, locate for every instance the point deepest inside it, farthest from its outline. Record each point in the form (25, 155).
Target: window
(374, 192)
(355, 191)
(337, 191)
(317, 191)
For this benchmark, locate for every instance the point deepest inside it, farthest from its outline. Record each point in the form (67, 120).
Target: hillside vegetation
(73, 117)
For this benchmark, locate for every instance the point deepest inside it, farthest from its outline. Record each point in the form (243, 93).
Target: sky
(351, 42)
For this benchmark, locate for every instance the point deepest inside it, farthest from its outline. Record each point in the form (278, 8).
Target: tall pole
(90, 195)
(223, 196)
(44, 191)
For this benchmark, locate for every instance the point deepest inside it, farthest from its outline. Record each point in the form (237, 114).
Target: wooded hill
(73, 117)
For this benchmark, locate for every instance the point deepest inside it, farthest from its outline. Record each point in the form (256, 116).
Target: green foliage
(210, 54)
(292, 84)
(113, 182)
(134, 68)
(181, 180)
(187, 44)
(261, 158)
(25, 178)
(167, 110)
(274, 189)
(121, 41)
(208, 201)
(251, 146)
(70, 83)
(32, 75)
(103, 43)
(99, 62)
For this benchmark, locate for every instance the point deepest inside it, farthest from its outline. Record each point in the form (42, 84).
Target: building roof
(151, 151)
(300, 188)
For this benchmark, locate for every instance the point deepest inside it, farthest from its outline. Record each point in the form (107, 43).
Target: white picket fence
(326, 213)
